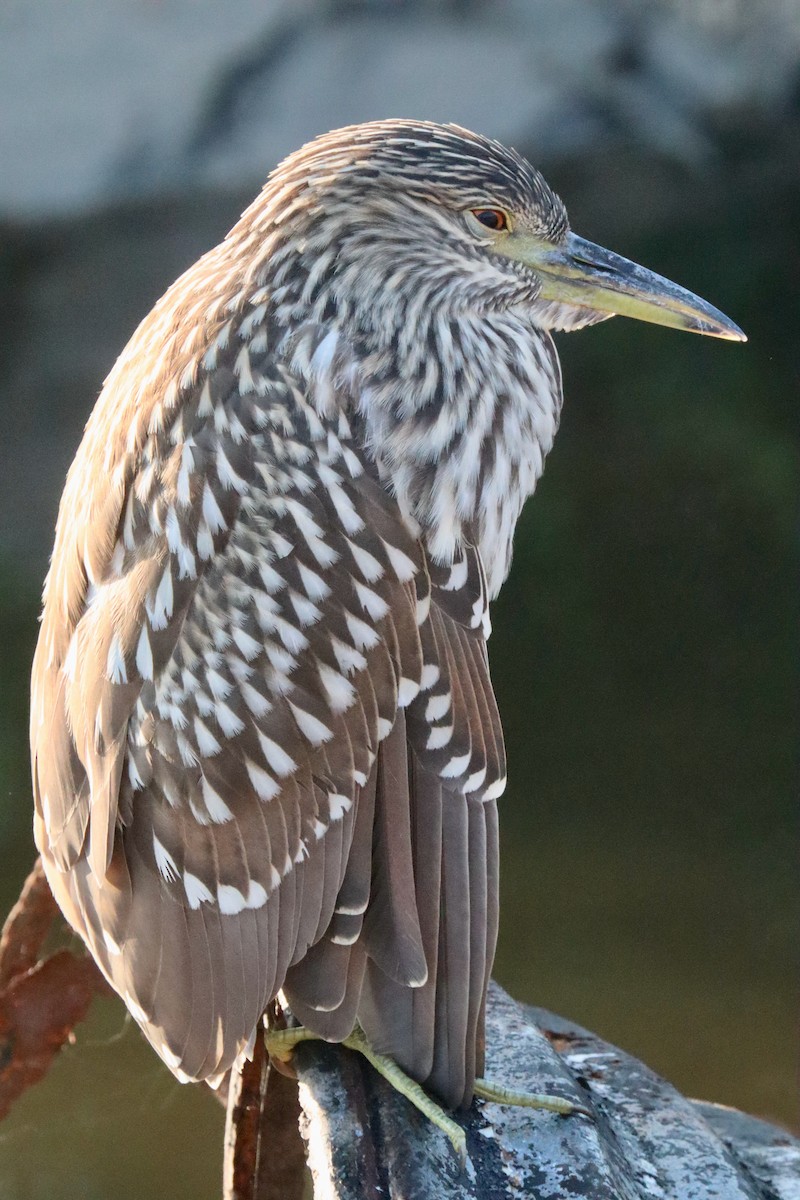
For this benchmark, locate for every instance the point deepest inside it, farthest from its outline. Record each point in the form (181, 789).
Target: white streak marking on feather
(423, 609)
(272, 581)
(135, 1009)
(373, 604)
(205, 542)
(315, 586)
(340, 691)
(458, 575)
(187, 568)
(402, 565)
(438, 707)
(144, 655)
(258, 704)
(196, 891)
(474, 781)
(282, 763)
(173, 530)
(367, 563)
(223, 337)
(319, 829)
(266, 787)
(220, 686)
(280, 545)
(338, 805)
(324, 554)
(363, 635)
(310, 726)
(207, 744)
(352, 910)
(71, 659)
(438, 738)
(212, 514)
(127, 527)
(256, 894)
(495, 790)
(229, 479)
(200, 815)
(111, 946)
(205, 406)
(115, 663)
(167, 867)
(322, 357)
(229, 722)
(307, 612)
(280, 658)
(352, 463)
(162, 605)
(217, 808)
(346, 939)
(230, 899)
(407, 690)
(292, 638)
(247, 644)
(242, 368)
(187, 752)
(348, 658)
(345, 510)
(384, 728)
(170, 1058)
(456, 766)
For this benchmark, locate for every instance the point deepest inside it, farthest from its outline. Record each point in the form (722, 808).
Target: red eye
(492, 218)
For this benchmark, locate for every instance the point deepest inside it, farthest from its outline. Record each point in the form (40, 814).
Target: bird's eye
(493, 218)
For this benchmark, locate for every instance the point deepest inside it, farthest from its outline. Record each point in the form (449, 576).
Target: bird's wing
(423, 866)
(234, 619)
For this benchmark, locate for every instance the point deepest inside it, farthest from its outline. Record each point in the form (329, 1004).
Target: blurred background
(643, 647)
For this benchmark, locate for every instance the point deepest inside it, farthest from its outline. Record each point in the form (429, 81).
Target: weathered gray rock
(643, 1141)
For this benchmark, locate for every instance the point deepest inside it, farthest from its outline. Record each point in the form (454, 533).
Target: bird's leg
(496, 1093)
(281, 1043)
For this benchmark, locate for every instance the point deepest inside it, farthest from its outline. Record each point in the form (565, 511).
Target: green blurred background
(643, 648)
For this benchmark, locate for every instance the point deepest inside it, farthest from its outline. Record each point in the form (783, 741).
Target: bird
(266, 752)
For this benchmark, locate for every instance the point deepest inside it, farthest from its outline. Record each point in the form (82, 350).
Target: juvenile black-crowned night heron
(266, 751)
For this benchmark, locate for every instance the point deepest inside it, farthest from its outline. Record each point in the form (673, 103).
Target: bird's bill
(583, 275)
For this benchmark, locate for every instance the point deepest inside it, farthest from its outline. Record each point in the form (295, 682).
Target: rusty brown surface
(41, 1001)
(38, 1012)
(264, 1158)
(26, 926)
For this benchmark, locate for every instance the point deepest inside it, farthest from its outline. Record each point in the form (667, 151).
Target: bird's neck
(458, 411)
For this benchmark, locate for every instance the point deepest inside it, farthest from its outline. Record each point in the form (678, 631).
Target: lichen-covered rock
(642, 1141)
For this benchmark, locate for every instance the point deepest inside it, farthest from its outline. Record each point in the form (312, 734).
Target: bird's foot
(497, 1094)
(281, 1042)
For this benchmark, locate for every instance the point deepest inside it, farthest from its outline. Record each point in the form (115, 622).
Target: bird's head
(379, 218)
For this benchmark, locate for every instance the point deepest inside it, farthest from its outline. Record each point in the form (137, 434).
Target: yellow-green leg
(281, 1043)
(497, 1094)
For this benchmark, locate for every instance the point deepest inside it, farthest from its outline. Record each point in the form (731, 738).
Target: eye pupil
(492, 218)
